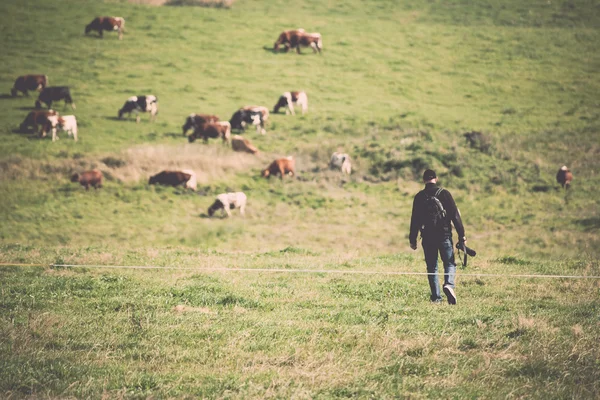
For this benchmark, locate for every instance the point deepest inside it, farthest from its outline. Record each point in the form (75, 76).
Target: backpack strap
(438, 192)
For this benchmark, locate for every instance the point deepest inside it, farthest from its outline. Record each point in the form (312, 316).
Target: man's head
(429, 176)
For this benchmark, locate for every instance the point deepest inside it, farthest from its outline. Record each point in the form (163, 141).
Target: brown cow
(194, 120)
(239, 143)
(185, 177)
(100, 24)
(564, 177)
(298, 37)
(281, 166)
(36, 119)
(88, 178)
(220, 129)
(29, 82)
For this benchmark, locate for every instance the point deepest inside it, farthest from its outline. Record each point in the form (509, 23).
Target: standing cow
(288, 99)
(86, 179)
(185, 177)
(25, 83)
(281, 167)
(253, 115)
(100, 24)
(137, 104)
(55, 93)
(36, 119)
(289, 39)
(220, 129)
(227, 202)
(193, 121)
(564, 177)
(297, 38)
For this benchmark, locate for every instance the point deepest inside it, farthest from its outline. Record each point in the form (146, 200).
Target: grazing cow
(88, 178)
(36, 119)
(137, 104)
(227, 202)
(55, 93)
(185, 177)
(312, 40)
(297, 38)
(288, 99)
(25, 83)
(67, 123)
(239, 143)
(100, 24)
(193, 121)
(219, 129)
(288, 38)
(254, 115)
(281, 166)
(341, 161)
(564, 177)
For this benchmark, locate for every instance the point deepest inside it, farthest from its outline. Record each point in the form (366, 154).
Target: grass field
(397, 86)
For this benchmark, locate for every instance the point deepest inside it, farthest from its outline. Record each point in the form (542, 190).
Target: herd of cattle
(203, 126)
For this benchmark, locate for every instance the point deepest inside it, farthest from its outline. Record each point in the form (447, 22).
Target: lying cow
(239, 143)
(227, 202)
(281, 167)
(36, 119)
(100, 24)
(564, 177)
(299, 38)
(193, 121)
(341, 161)
(288, 99)
(67, 123)
(253, 115)
(137, 104)
(185, 177)
(88, 178)
(25, 83)
(220, 129)
(55, 93)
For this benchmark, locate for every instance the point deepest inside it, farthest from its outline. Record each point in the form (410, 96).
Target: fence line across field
(304, 271)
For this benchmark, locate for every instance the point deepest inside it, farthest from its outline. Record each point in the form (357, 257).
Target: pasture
(396, 87)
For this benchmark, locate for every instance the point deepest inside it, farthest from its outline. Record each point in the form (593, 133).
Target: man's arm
(454, 216)
(415, 225)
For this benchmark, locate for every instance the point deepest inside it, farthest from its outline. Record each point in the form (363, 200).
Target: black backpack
(435, 214)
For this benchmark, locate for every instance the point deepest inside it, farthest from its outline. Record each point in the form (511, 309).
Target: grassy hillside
(397, 86)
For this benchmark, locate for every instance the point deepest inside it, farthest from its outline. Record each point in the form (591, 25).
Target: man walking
(434, 210)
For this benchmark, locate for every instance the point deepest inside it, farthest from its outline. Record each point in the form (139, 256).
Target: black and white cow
(288, 99)
(54, 93)
(253, 115)
(137, 104)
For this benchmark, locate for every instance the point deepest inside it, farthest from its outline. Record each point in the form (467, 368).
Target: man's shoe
(449, 292)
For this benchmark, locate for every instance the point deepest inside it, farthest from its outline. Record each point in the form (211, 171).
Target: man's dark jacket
(419, 215)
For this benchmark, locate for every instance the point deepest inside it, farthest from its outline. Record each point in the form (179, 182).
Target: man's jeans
(446, 251)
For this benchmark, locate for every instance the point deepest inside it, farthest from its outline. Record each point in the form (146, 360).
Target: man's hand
(413, 246)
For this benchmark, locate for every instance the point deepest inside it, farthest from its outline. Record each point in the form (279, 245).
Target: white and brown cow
(214, 130)
(67, 123)
(341, 161)
(227, 202)
(299, 38)
(288, 99)
(137, 104)
(185, 177)
(281, 167)
(239, 143)
(194, 120)
(100, 24)
(25, 83)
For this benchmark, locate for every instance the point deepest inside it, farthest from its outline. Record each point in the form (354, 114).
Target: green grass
(396, 87)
